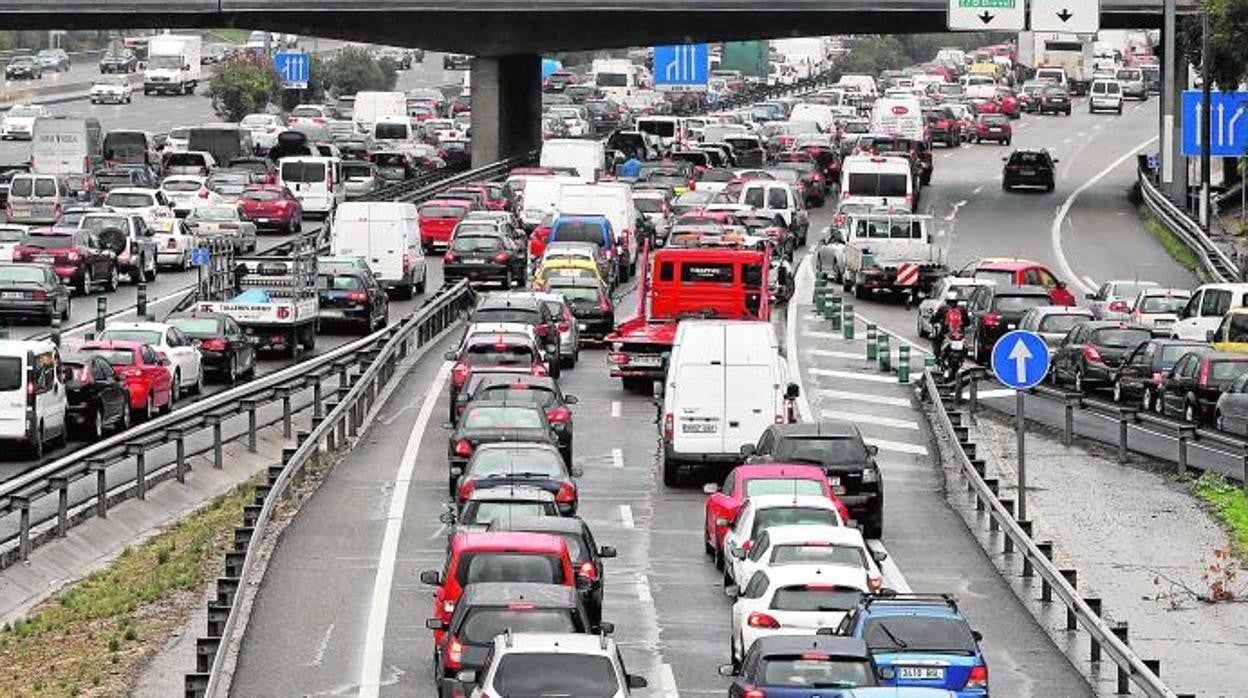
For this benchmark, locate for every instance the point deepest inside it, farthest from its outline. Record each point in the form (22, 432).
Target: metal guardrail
(332, 431)
(1017, 538)
(1213, 260)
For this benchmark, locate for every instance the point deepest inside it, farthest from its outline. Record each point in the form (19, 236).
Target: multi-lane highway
(342, 610)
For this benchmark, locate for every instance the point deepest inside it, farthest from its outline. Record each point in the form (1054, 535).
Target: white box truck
(372, 107)
(172, 64)
(386, 234)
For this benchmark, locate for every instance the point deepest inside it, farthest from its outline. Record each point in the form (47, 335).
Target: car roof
(780, 501)
(825, 427)
(799, 644)
(1062, 310)
(899, 692)
(485, 380)
(502, 541)
(501, 593)
(110, 344)
(511, 493)
(557, 643)
(1113, 324)
(153, 326)
(804, 533)
(790, 575)
(798, 471)
(1019, 290)
(501, 300)
(541, 524)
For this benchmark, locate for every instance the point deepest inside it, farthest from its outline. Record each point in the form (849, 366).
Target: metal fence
(1214, 261)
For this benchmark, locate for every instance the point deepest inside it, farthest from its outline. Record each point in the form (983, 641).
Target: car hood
(638, 330)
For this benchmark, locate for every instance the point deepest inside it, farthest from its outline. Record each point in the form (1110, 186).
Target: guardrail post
(1046, 591)
(1028, 571)
(284, 393)
(872, 348)
(1068, 426)
(140, 469)
(885, 354)
(249, 404)
(1126, 415)
(318, 409)
(1094, 647)
(60, 483)
(974, 390)
(101, 313)
(22, 503)
(140, 300)
(214, 420)
(847, 320)
(1072, 578)
(1009, 509)
(56, 330)
(101, 488)
(1120, 631)
(993, 485)
(178, 434)
(1186, 433)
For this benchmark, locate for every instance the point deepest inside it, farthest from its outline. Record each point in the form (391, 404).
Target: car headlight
(870, 476)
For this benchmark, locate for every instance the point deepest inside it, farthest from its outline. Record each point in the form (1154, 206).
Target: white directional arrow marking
(1019, 353)
(1221, 124)
(1230, 125)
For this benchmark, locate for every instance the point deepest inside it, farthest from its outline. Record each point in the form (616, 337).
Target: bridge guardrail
(1017, 539)
(1213, 260)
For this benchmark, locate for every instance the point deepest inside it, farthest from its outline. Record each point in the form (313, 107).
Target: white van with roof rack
(32, 394)
(1205, 310)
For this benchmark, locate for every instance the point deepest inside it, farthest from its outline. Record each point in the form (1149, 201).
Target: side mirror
(451, 356)
(1061, 284)
(710, 488)
(606, 551)
(1210, 334)
(738, 553)
(1090, 296)
(431, 577)
(575, 472)
(873, 450)
(792, 391)
(635, 681)
(979, 637)
(606, 628)
(732, 591)
(879, 555)
(570, 400)
(435, 624)
(747, 450)
(727, 670)
(467, 676)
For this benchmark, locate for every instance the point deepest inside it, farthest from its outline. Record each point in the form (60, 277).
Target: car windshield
(97, 223)
(483, 624)
(197, 326)
(1163, 304)
(818, 554)
(789, 516)
(1061, 322)
(502, 462)
(502, 418)
(49, 242)
(140, 336)
(22, 274)
(815, 671)
(578, 231)
(525, 674)
(539, 568)
(22, 110)
(815, 598)
(476, 243)
(435, 211)
(261, 195)
(1018, 304)
(918, 633)
(777, 485)
(128, 200)
(339, 282)
(822, 451)
(1027, 158)
(115, 357)
(1120, 338)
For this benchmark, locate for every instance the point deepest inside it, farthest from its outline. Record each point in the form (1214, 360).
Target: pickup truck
(887, 252)
(277, 301)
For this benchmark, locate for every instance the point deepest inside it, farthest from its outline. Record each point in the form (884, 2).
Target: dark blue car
(802, 666)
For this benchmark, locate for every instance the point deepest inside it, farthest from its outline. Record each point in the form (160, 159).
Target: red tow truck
(694, 282)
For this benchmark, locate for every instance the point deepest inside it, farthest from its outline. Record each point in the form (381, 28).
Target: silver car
(1112, 301)
(961, 285)
(569, 330)
(1231, 413)
(539, 664)
(1052, 322)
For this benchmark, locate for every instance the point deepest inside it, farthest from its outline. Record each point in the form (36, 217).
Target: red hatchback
(438, 219)
(725, 502)
(496, 556)
(992, 127)
(272, 207)
(1020, 272)
(143, 370)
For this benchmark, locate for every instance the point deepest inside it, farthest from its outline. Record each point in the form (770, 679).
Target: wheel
(97, 425)
(1050, 186)
(136, 275)
(199, 382)
(1189, 412)
(707, 546)
(1006, 142)
(451, 488)
(1119, 112)
(87, 283)
(175, 391)
(1219, 422)
(1079, 380)
(114, 280)
(124, 423)
(1146, 400)
(671, 475)
(918, 328)
(507, 281)
(420, 287)
(36, 448)
(1117, 391)
(231, 371)
(309, 338)
(149, 410)
(860, 291)
(150, 274)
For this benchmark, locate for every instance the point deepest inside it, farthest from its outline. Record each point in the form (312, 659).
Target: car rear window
(1163, 304)
(11, 377)
(578, 231)
(23, 273)
(97, 223)
(195, 326)
(818, 554)
(512, 462)
(502, 417)
(443, 212)
(303, 172)
(815, 671)
(789, 516)
(496, 355)
(1018, 304)
(815, 598)
(140, 336)
(49, 242)
(115, 357)
(1061, 322)
(476, 243)
(519, 393)
(525, 316)
(128, 199)
(483, 624)
(543, 674)
(475, 568)
(793, 486)
(1228, 370)
(339, 282)
(917, 633)
(822, 451)
(1120, 338)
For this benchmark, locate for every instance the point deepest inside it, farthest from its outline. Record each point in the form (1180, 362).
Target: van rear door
(751, 387)
(12, 396)
(699, 409)
(387, 240)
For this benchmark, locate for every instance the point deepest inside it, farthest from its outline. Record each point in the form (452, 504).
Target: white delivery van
(1105, 95)
(899, 116)
(315, 181)
(726, 382)
(173, 64)
(386, 234)
(864, 84)
(1204, 312)
(774, 198)
(393, 131)
(69, 146)
(613, 200)
(541, 196)
(32, 394)
(820, 114)
(373, 107)
(587, 157)
(887, 182)
(616, 78)
(668, 129)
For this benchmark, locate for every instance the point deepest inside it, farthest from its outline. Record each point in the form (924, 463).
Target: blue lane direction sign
(199, 256)
(294, 69)
(1020, 359)
(1228, 123)
(681, 68)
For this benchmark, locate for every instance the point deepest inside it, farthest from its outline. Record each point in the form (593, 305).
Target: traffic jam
(656, 234)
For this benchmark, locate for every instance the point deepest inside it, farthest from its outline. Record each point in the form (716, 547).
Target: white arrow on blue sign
(294, 68)
(1020, 359)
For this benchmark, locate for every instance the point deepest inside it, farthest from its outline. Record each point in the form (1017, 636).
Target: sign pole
(1206, 118)
(1020, 360)
(1168, 151)
(1020, 431)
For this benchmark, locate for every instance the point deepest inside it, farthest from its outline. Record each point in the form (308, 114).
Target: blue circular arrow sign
(1020, 359)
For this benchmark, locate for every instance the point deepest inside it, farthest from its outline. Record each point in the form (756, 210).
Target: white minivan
(32, 394)
(35, 198)
(1204, 312)
(726, 383)
(386, 234)
(315, 181)
(873, 180)
(1105, 95)
(587, 157)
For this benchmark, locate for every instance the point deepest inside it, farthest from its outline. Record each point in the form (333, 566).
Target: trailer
(275, 300)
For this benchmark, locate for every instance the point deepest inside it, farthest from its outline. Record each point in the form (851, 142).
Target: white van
(315, 181)
(32, 394)
(613, 200)
(587, 157)
(1204, 312)
(777, 198)
(373, 107)
(726, 383)
(821, 114)
(541, 196)
(878, 181)
(864, 84)
(386, 234)
(1105, 95)
(393, 130)
(36, 198)
(668, 129)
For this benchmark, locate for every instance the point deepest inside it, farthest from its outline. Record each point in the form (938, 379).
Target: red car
(272, 207)
(1009, 103)
(491, 198)
(143, 370)
(496, 556)
(986, 106)
(992, 127)
(724, 503)
(438, 219)
(1020, 272)
(78, 257)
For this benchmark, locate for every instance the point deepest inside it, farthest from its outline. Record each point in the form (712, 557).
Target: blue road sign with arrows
(294, 69)
(681, 67)
(199, 256)
(1228, 123)
(1020, 359)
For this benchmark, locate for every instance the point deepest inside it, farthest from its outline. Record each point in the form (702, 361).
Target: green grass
(1174, 246)
(92, 638)
(232, 36)
(1229, 503)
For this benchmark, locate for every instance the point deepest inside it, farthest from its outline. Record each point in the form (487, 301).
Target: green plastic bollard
(820, 298)
(871, 346)
(821, 285)
(140, 300)
(929, 364)
(885, 355)
(56, 330)
(847, 320)
(101, 313)
(834, 313)
(903, 363)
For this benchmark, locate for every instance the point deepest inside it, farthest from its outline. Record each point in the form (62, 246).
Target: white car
(1112, 300)
(11, 236)
(188, 192)
(178, 140)
(781, 546)
(793, 600)
(264, 129)
(174, 242)
(112, 89)
(961, 285)
(768, 510)
(1158, 308)
(553, 664)
(152, 204)
(1105, 95)
(225, 220)
(186, 361)
(318, 114)
(19, 121)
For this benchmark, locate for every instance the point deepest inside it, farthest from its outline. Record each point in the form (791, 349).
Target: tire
(175, 391)
(671, 475)
(918, 328)
(1119, 112)
(127, 419)
(136, 275)
(231, 372)
(1078, 384)
(420, 287)
(97, 425)
(1006, 142)
(114, 280)
(150, 274)
(36, 448)
(65, 313)
(1219, 421)
(87, 283)
(1117, 395)
(149, 410)
(199, 382)
(1189, 412)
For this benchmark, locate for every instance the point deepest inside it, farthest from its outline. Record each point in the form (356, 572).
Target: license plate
(1163, 323)
(1010, 327)
(1027, 173)
(921, 673)
(582, 326)
(645, 361)
(698, 428)
(956, 345)
(331, 312)
(12, 295)
(994, 130)
(262, 220)
(44, 259)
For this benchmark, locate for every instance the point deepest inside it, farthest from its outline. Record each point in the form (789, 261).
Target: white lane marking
(379, 606)
(804, 284)
(859, 355)
(1081, 134)
(667, 682)
(1091, 281)
(615, 408)
(995, 393)
(643, 590)
(954, 212)
(319, 655)
(898, 446)
(1055, 232)
(893, 578)
(626, 516)
(822, 335)
(978, 189)
(617, 457)
(852, 375)
(866, 397)
(859, 418)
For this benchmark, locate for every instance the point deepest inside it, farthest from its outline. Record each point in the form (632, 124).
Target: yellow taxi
(566, 267)
(1232, 334)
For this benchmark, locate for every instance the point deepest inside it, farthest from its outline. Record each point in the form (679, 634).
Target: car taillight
(1158, 377)
(541, 330)
(1118, 306)
(838, 220)
(538, 370)
(978, 677)
(408, 262)
(39, 295)
(203, 193)
(448, 607)
(459, 374)
(448, 257)
(1203, 380)
(1091, 354)
(213, 344)
(357, 296)
(559, 415)
(30, 388)
(604, 304)
(73, 256)
(502, 257)
(669, 423)
(463, 448)
(991, 319)
(762, 620)
(755, 693)
(19, 254)
(692, 185)
(566, 493)
(617, 358)
(466, 489)
(588, 571)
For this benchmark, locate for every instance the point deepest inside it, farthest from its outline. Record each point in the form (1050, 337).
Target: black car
(484, 257)
(836, 447)
(781, 664)
(227, 351)
(526, 464)
(1141, 374)
(813, 186)
(502, 353)
(542, 391)
(1091, 352)
(488, 609)
(1191, 389)
(591, 305)
(1029, 168)
(521, 308)
(33, 291)
(456, 61)
(119, 61)
(23, 67)
(491, 421)
(97, 399)
(1055, 100)
(996, 310)
(586, 556)
(352, 299)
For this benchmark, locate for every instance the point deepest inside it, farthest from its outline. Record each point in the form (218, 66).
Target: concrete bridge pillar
(506, 106)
